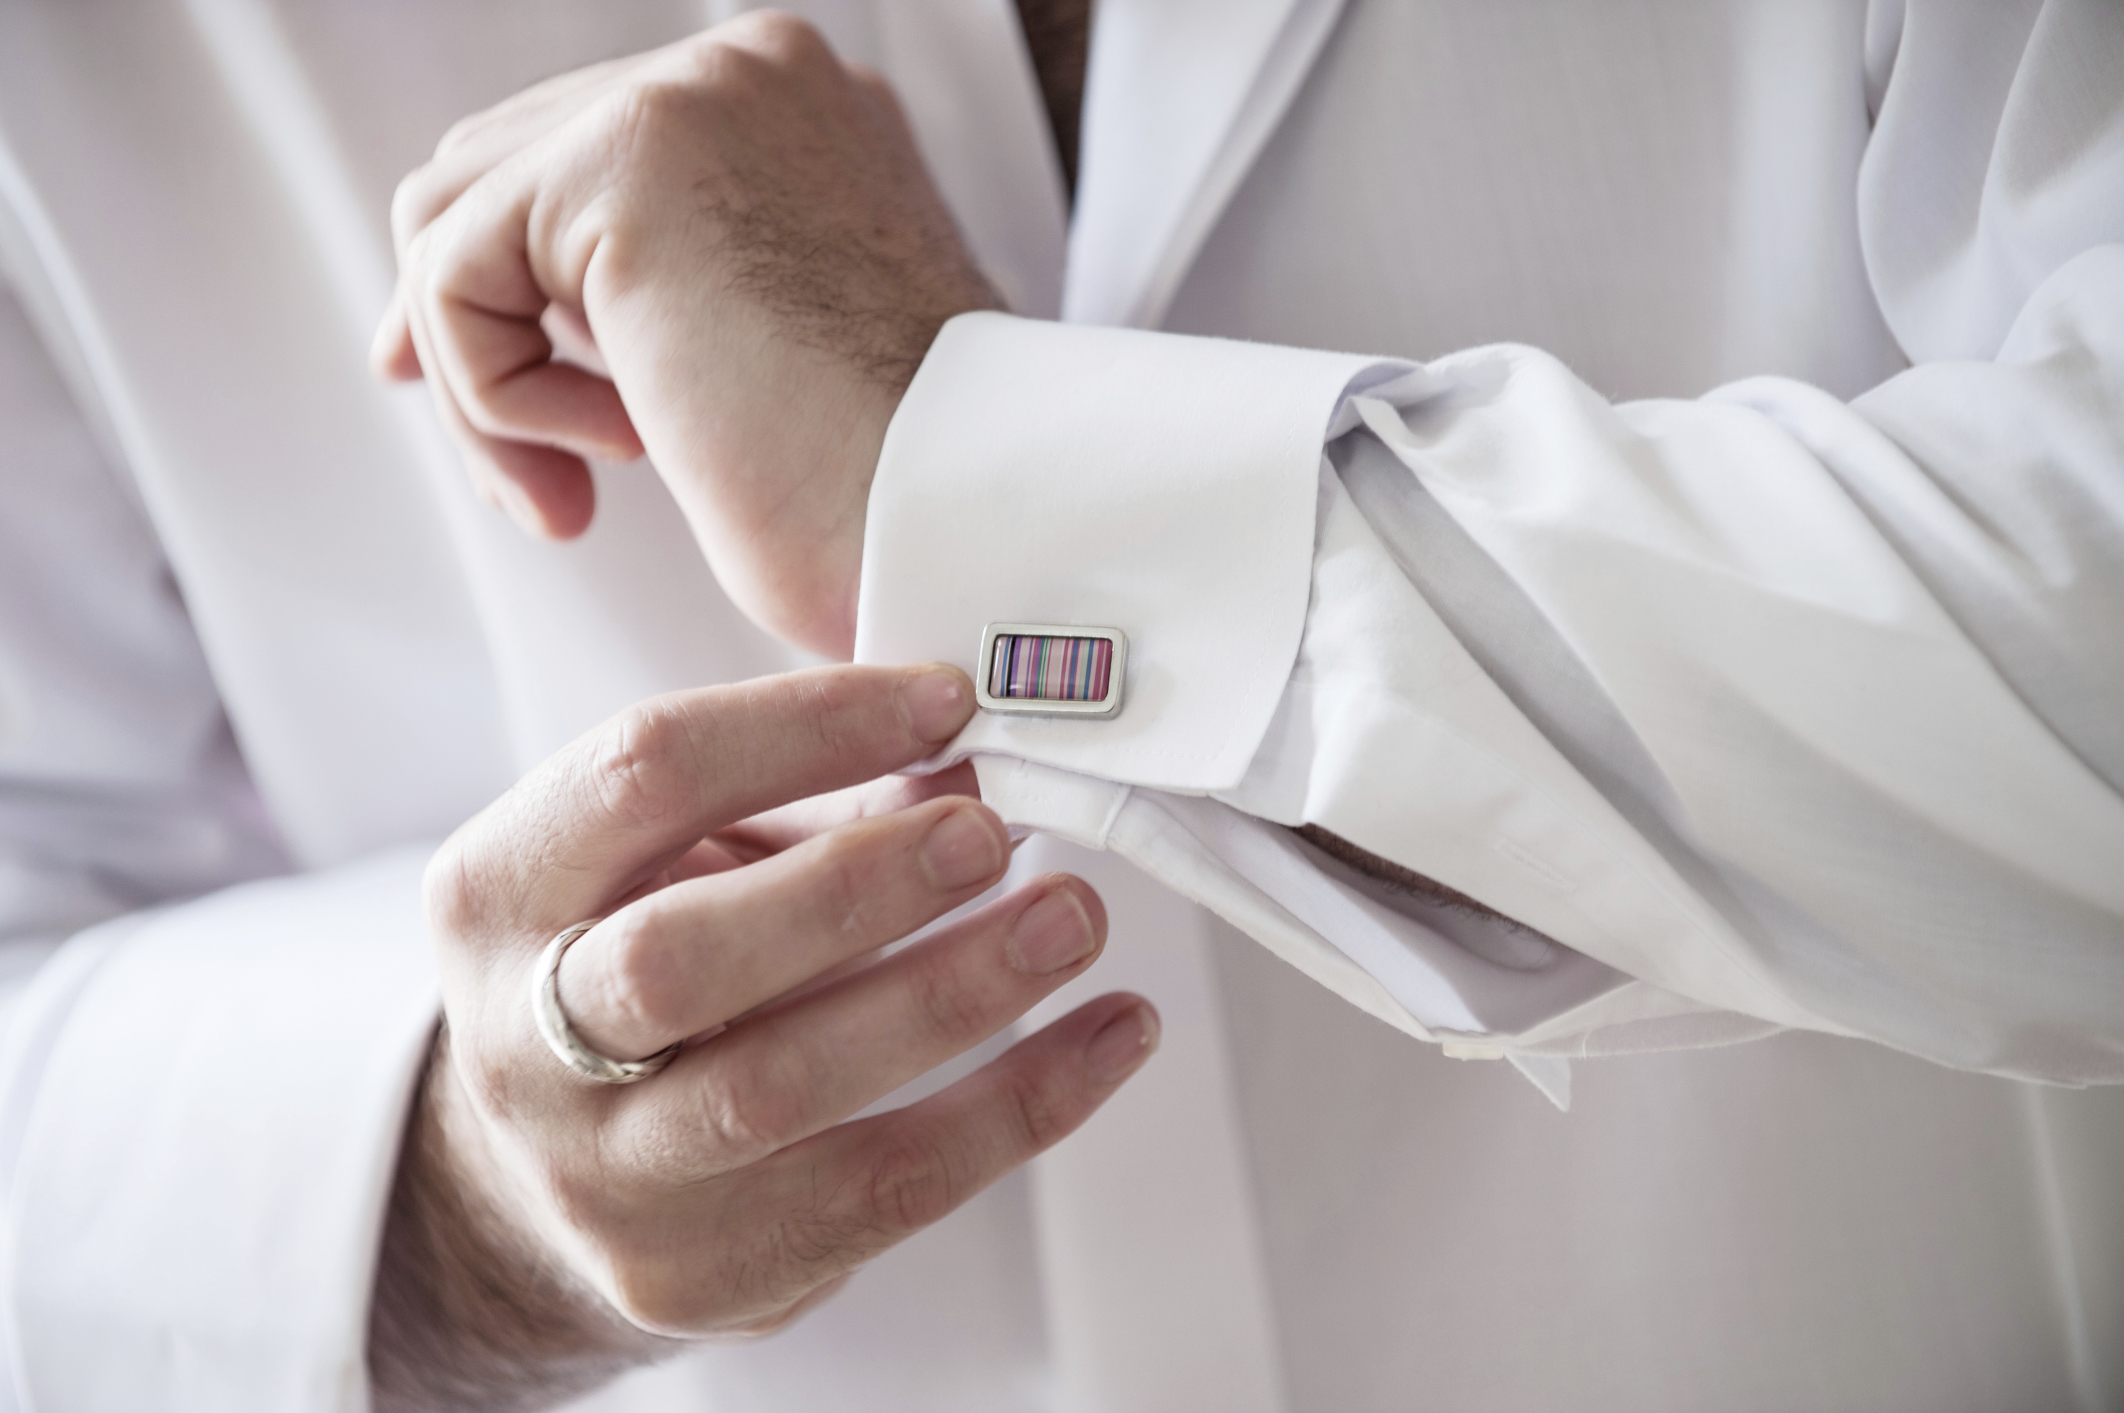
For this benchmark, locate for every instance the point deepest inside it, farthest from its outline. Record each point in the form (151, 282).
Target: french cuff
(215, 1120)
(1164, 486)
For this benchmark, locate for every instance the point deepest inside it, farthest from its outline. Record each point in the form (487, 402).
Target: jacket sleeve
(202, 1076)
(1760, 709)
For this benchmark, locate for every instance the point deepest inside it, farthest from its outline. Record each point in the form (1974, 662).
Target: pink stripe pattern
(1026, 667)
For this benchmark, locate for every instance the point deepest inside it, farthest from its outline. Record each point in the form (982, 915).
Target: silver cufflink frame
(1103, 707)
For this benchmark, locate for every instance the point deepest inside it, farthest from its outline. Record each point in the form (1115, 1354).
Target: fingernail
(1122, 1044)
(937, 704)
(1051, 934)
(962, 849)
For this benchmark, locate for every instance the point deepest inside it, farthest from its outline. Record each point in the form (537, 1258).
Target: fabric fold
(1007, 491)
(162, 1250)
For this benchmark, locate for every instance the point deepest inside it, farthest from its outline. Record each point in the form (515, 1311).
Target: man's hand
(743, 260)
(547, 1230)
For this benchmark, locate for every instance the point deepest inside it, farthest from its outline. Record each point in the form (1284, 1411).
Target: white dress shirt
(1772, 703)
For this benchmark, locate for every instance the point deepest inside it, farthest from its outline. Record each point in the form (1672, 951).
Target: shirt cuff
(212, 1121)
(1113, 478)
(1171, 487)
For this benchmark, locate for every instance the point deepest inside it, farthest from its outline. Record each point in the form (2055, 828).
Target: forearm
(466, 1313)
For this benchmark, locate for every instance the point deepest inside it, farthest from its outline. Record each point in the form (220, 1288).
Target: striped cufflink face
(1047, 669)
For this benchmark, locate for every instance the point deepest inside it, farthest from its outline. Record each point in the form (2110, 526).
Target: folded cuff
(210, 1147)
(1112, 478)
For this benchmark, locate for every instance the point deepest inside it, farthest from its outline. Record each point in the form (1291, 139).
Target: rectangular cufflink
(1048, 669)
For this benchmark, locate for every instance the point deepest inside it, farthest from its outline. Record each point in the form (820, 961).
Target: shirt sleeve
(1760, 709)
(202, 1076)
(200, 1110)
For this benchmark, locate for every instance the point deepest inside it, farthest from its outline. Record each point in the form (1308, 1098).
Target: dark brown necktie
(1059, 32)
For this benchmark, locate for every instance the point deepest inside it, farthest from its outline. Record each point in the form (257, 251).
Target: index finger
(792, 824)
(609, 811)
(476, 145)
(468, 151)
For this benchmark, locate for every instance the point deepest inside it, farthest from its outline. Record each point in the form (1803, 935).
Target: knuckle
(651, 1293)
(584, 1197)
(823, 707)
(463, 131)
(946, 1002)
(636, 771)
(845, 714)
(910, 1185)
(491, 1082)
(746, 1118)
(413, 206)
(472, 404)
(644, 115)
(638, 981)
(779, 1320)
(1040, 1111)
(875, 88)
(658, 102)
(783, 36)
(592, 1192)
(759, 53)
(447, 894)
(416, 265)
(475, 400)
(792, 1256)
(839, 886)
(808, 1244)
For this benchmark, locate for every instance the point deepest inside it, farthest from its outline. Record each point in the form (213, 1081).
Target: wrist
(764, 404)
(470, 1308)
(812, 583)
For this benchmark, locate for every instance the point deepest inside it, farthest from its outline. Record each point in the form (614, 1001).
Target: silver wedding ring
(560, 1036)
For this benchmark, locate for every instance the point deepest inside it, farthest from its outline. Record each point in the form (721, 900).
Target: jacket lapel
(292, 507)
(1179, 99)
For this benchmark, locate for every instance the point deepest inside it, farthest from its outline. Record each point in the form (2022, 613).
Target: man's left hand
(737, 249)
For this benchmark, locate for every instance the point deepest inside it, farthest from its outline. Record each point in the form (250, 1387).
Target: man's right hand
(547, 1230)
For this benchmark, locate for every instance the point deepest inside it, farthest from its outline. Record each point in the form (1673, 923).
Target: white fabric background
(1663, 196)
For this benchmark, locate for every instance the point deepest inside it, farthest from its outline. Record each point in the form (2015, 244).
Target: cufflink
(1047, 669)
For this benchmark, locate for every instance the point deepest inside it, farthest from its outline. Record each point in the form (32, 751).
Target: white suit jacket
(1747, 624)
